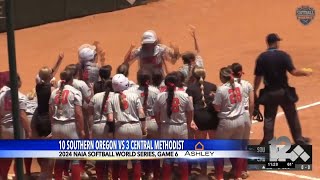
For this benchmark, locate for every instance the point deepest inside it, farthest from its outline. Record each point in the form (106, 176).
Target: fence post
(13, 81)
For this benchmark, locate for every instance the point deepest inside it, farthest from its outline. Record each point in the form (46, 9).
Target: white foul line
(292, 175)
(299, 108)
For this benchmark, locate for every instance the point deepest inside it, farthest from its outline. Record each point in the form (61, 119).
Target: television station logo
(305, 14)
(279, 152)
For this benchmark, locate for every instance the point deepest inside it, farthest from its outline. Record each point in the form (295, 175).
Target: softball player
(105, 74)
(205, 117)
(248, 95)
(99, 127)
(88, 60)
(151, 54)
(66, 117)
(40, 123)
(148, 95)
(126, 110)
(86, 93)
(191, 59)
(229, 104)
(174, 113)
(6, 121)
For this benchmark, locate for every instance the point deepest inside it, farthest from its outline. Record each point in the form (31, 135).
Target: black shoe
(303, 141)
(307, 140)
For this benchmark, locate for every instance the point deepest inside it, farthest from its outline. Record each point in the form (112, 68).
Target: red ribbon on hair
(171, 84)
(63, 81)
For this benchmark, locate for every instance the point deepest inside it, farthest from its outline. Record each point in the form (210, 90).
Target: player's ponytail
(226, 75)
(188, 58)
(74, 69)
(181, 79)
(66, 76)
(144, 78)
(170, 82)
(107, 86)
(157, 78)
(199, 74)
(123, 69)
(237, 71)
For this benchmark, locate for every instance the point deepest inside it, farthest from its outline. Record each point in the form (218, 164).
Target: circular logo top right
(305, 14)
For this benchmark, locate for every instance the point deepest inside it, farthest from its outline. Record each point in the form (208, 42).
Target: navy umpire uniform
(273, 65)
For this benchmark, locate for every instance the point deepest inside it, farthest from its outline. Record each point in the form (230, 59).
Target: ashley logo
(305, 14)
(131, 1)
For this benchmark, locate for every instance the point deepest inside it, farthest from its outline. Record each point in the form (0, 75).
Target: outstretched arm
(193, 35)
(304, 72)
(57, 64)
(130, 55)
(172, 53)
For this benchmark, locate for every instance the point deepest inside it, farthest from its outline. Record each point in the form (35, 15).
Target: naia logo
(305, 14)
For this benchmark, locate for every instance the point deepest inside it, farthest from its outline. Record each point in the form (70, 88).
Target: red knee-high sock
(115, 170)
(166, 171)
(123, 172)
(146, 166)
(27, 165)
(136, 170)
(190, 166)
(218, 166)
(156, 169)
(58, 169)
(83, 165)
(233, 162)
(66, 168)
(238, 168)
(245, 165)
(76, 170)
(100, 167)
(4, 168)
(184, 172)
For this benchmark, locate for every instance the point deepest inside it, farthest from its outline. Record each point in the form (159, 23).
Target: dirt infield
(227, 31)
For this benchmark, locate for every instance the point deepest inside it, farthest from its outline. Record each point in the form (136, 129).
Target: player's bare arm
(24, 121)
(157, 117)
(100, 53)
(194, 37)
(256, 85)
(142, 118)
(51, 113)
(79, 120)
(90, 123)
(251, 103)
(57, 64)
(129, 57)
(303, 72)
(172, 53)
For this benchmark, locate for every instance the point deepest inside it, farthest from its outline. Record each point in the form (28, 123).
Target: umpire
(272, 65)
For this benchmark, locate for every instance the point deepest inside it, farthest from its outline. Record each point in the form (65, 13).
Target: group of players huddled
(88, 103)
